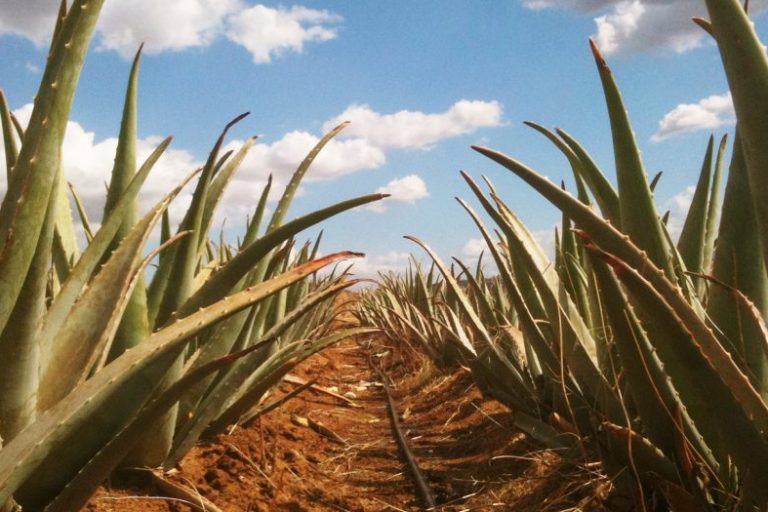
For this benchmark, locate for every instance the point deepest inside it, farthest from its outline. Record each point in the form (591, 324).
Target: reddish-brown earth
(471, 457)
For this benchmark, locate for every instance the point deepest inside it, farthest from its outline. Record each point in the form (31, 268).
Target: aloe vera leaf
(186, 253)
(543, 350)
(630, 449)
(573, 280)
(281, 210)
(19, 344)
(542, 432)
(655, 181)
(82, 214)
(223, 339)
(50, 452)
(77, 492)
(234, 411)
(219, 183)
(252, 233)
(505, 217)
(65, 249)
(545, 355)
(134, 325)
(692, 237)
(101, 356)
(574, 330)
(24, 206)
(222, 281)
(516, 379)
(570, 332)
(219, 341)
(284, 203)
(124, 167)
(710, 397)
(753, 317)
(484, 308)
(605, 195)
(60, 17)
(17, 126)
(737, 262)
(215, 400)
(639, 218)
(746, 67)
(94, 318)
(295, 293)
(614, 242)
(713, 211)
(505, 212)
(648, 384)
(573, 160)
(9, 137)
(89, 260)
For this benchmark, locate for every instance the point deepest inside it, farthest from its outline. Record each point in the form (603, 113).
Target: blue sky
(420, 81)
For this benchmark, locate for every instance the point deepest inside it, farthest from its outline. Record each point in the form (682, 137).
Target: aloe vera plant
(92, 354)
(653, 353)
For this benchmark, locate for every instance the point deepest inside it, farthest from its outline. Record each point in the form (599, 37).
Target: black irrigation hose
(422, 488)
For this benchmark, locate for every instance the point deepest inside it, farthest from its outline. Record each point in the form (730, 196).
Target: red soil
(471, 457)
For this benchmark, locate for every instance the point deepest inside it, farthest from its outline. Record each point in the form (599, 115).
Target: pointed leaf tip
(236, 120)
(704, 24)
(599, 59)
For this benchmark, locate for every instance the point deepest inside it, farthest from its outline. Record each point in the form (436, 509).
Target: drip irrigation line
(422, 488)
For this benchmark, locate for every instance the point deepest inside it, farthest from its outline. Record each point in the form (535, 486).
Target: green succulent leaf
(73, 430)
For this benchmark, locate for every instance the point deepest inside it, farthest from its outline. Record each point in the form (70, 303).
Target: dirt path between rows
(471, 458)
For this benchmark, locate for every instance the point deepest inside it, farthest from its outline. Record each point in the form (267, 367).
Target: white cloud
(410, 130)
(32, 19)
(282, 157)
(267, 32)
(678, 206)
(176, 25)
(582, 5)
(170, 25)
(88, 165)
(371, 265)
(474, 247)
(710, 113)
(627, 26)
(408, 189)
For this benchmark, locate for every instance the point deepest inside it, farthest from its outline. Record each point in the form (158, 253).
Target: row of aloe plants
(649, 353)
(101, 366)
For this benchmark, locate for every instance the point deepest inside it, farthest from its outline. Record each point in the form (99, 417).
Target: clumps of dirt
(473, 459)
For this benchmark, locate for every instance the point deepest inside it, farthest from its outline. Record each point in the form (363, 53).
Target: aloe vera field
(157, 358)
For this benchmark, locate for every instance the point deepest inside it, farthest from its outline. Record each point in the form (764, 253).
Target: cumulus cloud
(281, 158)
(171, 25)
(88, 165)
(627, 26)
(267, 32)
(32, 19)
(582, 5)
(710, 113)
(175, 25)
(474, 248)
(371, 265)
(408, 189)
(678, 206)
(411, 130)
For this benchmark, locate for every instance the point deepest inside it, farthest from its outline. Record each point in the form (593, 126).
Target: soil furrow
(281, 462)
